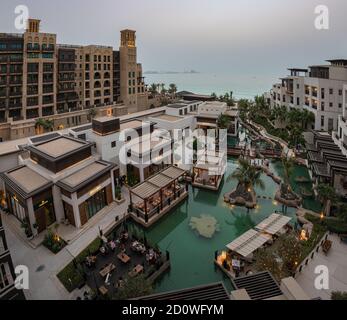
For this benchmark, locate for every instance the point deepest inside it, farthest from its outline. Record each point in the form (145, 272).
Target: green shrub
(70, 276)
(337, 226)
(337, 295)
(53, 243)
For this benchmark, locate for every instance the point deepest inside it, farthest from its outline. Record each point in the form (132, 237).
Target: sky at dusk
(233, 36)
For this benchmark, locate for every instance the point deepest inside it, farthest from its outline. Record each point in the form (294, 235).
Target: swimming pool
(192, 255)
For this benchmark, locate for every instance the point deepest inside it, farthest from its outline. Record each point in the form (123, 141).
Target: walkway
(44, 265)
(336, 261)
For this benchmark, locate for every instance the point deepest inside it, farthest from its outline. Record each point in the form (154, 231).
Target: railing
(311, 256)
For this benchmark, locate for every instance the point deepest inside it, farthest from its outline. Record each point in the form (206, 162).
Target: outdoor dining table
(105, 271)
(103, 290)
(124, 258)
(136, 271)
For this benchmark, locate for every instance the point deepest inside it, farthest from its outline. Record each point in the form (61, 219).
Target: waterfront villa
(209, 170)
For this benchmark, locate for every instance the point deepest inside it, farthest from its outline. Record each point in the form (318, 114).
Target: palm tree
(288, 165)
(153, 89)
(172, 89)
(247, 175)
(327, 195)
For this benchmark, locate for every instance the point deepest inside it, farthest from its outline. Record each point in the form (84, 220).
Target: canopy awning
(145, 190)
(248, 243)
(173, 172)
(160, 180)
(273, 224)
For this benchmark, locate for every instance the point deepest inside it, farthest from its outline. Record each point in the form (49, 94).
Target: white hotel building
(318, 89)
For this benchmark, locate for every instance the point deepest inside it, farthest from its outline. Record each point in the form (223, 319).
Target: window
(331, 104)
(340, 92)
(322, 105)
(113, 144)
(331, 91)
(340, 105)
(6, 279)
(322, 121)
(2, 246)
(298, 101)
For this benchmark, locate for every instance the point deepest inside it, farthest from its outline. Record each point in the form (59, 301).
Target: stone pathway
(44, 265)
(336, 261)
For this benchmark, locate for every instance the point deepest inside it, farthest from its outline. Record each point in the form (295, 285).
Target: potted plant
(27, 230)
(118, 194)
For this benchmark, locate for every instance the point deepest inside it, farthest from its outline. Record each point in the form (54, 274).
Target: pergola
(157, 193)
(273, 224)
(249, 242)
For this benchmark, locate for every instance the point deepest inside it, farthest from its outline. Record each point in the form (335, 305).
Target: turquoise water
(192, 256)
(243, 86)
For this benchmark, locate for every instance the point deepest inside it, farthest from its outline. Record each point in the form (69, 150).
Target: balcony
(48, 48)
(33, 47)
(15, 105)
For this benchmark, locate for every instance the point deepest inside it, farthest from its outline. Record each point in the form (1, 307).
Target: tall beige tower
(128, 69)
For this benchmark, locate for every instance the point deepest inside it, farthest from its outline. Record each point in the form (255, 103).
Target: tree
(307, 117)
(327, 195)
(134, 287)
(247, 175)
(289, 249)
(92, 113)
(288, 165)
(266, 260)
(172, 89)
(153, 89)
(44, 125)
(338, 295)
(342, 213)
(223, 122)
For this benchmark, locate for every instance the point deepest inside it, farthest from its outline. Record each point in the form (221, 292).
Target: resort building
(8, 290)
(327, 163)
(318, 89)
(59, 180)
(42, 79)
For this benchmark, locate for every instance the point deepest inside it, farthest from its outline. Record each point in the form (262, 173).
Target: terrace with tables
(156, 196)
(238, 258)
(121, 257)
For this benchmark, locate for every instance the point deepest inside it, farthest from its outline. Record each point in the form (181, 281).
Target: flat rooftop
(27, 179)
(105, 119)
(58, 147)
(169, 118)
(177, 105)
(131, 125)
(84, 174)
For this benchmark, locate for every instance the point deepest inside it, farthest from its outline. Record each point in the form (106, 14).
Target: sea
(243, 86)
